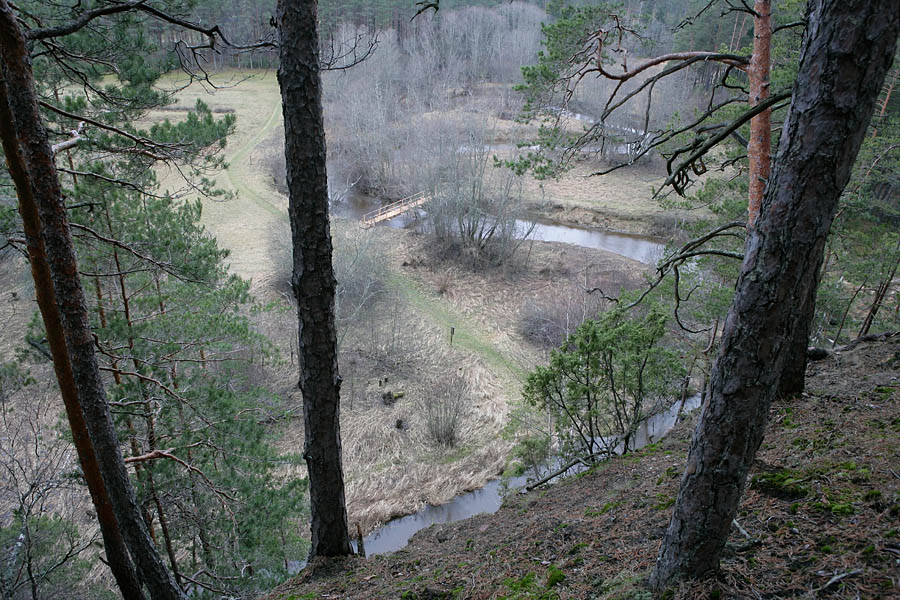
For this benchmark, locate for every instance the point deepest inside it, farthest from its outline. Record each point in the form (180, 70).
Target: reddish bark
(117, 554)
(70, 301)
(761, 125)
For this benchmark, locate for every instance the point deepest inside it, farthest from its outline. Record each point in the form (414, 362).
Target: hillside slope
(821, 517)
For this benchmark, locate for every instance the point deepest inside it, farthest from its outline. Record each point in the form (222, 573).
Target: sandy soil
(821, 512)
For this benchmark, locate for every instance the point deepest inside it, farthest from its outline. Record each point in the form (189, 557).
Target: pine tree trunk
(70, 300)
(117, 555)
(847, 50)
(313, 278)
(793, 376)
(759, 148)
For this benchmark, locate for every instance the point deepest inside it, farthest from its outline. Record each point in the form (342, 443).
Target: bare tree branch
(676, 175)
(71, 142)
(141, 141)
(81, 21)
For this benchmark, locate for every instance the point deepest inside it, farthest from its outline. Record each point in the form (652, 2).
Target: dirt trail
(237, 165)
(245, 223)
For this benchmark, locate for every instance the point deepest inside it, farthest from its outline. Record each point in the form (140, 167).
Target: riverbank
(398, 340)
(821, 514)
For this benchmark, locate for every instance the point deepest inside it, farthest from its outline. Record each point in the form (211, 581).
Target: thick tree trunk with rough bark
(313, 279)
(793, 375)
(846, 53)
(69, 295)
(793, 378)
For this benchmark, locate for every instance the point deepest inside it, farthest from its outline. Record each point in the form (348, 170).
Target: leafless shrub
(445, 409)
(668, 225)
(385, 336)
(547, 322)
(41, 501)
(385, 119)
(272, 148)
(359, 268)
(478, 210)
(444, 282)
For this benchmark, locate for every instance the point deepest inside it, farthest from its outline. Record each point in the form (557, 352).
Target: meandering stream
(395, 534)
(642, 248)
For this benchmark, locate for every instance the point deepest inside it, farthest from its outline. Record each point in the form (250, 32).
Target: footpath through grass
(235, 171)
(466, 335)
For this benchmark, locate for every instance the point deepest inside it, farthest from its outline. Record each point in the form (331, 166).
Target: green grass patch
(464, 335)
(665, 501)
(555, 576)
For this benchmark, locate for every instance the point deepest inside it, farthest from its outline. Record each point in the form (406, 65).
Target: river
(642, 248)
(395, 534)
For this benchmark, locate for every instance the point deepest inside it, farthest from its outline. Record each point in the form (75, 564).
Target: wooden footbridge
(394, 209)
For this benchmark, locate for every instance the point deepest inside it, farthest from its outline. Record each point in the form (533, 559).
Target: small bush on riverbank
(606, 378)
(445, 410)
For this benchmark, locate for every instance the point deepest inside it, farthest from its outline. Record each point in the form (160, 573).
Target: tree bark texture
(847, 50)
(759, 149)
(117, 555)
(313, 279)
(70, 301)
(793, 375)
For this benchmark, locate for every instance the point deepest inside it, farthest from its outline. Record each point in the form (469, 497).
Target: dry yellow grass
(245, 223)
(16, 304)
(389, 470)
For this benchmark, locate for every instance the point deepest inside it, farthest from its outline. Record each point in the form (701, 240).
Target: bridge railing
(393, 209)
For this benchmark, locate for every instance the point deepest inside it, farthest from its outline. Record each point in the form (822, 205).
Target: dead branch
(71, 142)
(874, 337)
(689, 250)
(141, 141)
(735, 60)
(566, 467)
(112, 180)
(346, 56)
(837, 578)
(157, 454)
(789, 25)
(426, 5)
(81, 21)
(165, 267)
